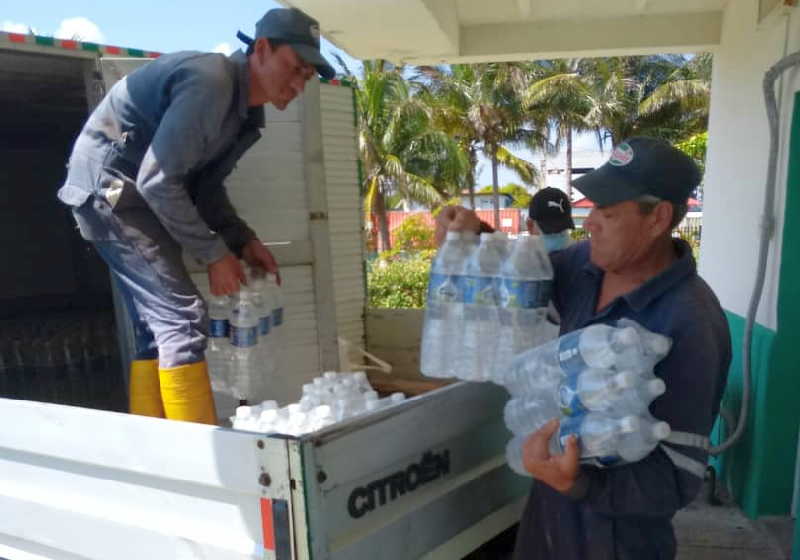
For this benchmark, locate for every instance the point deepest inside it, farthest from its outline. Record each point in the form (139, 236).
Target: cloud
(14, 27)
(81, 29)
(224, 48)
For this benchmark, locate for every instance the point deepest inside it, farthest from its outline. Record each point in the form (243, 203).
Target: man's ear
(662, 216)
(262, 47)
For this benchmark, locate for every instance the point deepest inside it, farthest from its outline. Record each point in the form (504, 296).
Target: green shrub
(397, 281)
(414, 234)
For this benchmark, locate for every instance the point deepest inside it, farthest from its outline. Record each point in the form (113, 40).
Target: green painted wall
(759, 470)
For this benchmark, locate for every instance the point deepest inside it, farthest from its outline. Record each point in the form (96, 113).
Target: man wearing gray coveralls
(145, 183)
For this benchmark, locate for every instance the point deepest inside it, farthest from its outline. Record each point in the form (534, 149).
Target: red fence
(511, 220)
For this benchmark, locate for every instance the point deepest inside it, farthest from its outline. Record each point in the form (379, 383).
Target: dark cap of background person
(641, 166)
(293, 27)
(551, 210)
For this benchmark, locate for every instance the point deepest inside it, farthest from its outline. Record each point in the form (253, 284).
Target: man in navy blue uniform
(631, 268)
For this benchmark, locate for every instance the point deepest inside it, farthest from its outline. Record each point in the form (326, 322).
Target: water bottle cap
(243, 412)
(658, 344)
(323, 410)
(268, 415)
(661, 430)
(453, 236)
(629, 424)
(267, 405)
(486, 237)
(330, 375)
(397, 397)
(500, 236)
(373, 405)
(625, 379)
(371, 395)
(627, 336)
(656, 387)
(469, 236)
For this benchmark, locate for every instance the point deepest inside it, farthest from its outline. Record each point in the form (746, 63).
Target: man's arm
(217, 211)
(200, 98)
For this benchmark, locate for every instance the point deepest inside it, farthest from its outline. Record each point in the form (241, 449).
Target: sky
(173, 25)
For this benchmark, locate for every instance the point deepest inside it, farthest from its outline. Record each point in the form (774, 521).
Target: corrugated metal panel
(344, 210)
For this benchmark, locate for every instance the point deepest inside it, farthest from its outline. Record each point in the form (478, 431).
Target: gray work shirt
(165, 137)
(625, 512)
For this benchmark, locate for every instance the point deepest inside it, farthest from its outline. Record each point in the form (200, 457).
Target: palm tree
(400, 150)
(480, 106)
(559, 94)
(658, 96)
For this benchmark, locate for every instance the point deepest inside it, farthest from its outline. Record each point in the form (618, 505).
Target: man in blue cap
(145, 183)
(630, 268)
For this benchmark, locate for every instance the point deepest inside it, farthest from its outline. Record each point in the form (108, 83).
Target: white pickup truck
(425, 478)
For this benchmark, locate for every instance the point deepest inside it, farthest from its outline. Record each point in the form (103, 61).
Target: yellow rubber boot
(186, 393)
(144, 389)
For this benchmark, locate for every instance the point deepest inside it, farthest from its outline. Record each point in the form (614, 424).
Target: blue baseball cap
(298, 30)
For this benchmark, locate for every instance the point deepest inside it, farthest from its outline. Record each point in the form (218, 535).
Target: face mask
(556, 241)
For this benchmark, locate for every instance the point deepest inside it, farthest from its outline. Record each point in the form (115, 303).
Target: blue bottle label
(525, 294)
(244, 337)
(219, 328)
(264, 325)
(469, 288)
(569, 354)
(568, 400)
(598, 450)
(277, 317)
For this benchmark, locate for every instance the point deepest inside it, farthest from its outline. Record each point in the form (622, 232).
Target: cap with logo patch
(299, 31)
(641, 166)
(551, 210)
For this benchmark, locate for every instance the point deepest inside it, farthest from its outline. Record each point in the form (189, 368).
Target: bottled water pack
(599, 382)
(330, 398)
(243, 347)
(487, 301)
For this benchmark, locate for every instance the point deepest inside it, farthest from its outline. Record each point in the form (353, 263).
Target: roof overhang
(436, 31)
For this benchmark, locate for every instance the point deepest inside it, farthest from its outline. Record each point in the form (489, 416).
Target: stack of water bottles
(328, 399)
(599, 382)
(243, 345)
(487, 301)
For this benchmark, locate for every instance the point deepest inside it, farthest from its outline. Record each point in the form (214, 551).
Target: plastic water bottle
(514, 455)
(653, 347)
(593, 390)
(219, 347)
(599, 346)
(480, 309)
(524, 295)
(636, 445)
(636, 399)
(257, 282)
(525, 415)
(599, 435)
(529, 374)
(244, 345)
(441, 338)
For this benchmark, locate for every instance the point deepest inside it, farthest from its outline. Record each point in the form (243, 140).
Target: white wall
(345, 214)
(738, 154)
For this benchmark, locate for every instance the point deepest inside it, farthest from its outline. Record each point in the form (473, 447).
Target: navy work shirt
(625, 512)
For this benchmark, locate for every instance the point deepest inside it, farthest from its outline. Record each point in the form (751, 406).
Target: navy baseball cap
(551, 210)
(296, 29)
(641, 166)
